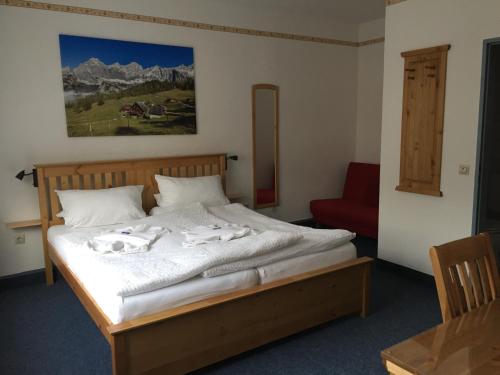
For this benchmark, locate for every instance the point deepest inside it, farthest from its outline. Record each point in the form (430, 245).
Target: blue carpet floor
(46, 331)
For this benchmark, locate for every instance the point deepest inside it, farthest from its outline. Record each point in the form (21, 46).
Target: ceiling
(343, 11)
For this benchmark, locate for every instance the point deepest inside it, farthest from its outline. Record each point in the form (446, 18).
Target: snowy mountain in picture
(93, 76)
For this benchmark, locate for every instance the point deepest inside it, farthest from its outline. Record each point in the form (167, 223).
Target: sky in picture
(77, 49)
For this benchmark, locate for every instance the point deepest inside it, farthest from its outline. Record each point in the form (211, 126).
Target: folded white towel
(129, 240)
(210, 233)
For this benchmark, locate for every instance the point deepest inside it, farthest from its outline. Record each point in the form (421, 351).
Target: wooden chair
(466, 274)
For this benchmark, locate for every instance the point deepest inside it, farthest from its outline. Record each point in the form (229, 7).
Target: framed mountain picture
(114, 87)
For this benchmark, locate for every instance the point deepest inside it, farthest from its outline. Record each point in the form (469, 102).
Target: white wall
(411, 223)
(317, 94)
(369, 93)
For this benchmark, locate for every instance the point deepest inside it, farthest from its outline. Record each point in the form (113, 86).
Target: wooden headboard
(107, 174)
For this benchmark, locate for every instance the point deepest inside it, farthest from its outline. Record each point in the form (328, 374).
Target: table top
(469, 344)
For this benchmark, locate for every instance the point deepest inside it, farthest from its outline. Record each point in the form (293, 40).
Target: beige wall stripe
(180, 23)
(371, 41)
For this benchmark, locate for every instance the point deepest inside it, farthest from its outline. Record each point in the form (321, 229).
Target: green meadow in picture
(114, 87)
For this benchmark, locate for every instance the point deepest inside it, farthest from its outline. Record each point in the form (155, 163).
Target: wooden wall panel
(422, 122)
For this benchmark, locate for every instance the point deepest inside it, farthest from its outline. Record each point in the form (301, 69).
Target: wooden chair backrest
(466, 274)
(107, 174)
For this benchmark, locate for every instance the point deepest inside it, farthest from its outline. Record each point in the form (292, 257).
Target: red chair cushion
(341, 213)
(265, 196)
(362, 183)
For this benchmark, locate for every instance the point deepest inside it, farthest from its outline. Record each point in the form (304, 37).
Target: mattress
(120, 309)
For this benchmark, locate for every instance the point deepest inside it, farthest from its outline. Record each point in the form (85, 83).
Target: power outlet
(20, 239)
(463, 169)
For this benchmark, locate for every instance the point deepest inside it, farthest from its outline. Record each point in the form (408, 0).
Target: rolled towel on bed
(204, 234)
(129, 240)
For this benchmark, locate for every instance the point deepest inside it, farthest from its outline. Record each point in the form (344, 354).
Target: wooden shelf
(24, 224)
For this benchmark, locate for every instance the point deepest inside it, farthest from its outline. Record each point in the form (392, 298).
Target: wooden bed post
(365, 303)
(222, 170)
(49, 273)
(44, 216)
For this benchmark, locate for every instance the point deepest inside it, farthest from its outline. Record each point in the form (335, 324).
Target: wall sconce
(22, 173)
(231, 157)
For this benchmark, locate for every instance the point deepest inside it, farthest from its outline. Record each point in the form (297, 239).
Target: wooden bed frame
(192, 336)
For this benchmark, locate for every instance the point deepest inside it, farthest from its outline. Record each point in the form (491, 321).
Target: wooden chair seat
(466, 274)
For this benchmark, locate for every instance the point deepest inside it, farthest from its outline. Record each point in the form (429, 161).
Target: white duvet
(168, 262)
(313, 240)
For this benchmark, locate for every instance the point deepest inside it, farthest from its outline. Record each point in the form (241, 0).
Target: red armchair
(357, 210)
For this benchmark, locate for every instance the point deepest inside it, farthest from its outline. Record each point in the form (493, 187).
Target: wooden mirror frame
(275, 89)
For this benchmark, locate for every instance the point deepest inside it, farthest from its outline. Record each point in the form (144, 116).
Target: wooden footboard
(193, 336)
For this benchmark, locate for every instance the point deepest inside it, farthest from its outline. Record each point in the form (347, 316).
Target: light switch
(464, 169)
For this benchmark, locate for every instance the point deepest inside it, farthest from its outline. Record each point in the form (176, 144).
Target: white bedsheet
(120, 309)
(167, 262)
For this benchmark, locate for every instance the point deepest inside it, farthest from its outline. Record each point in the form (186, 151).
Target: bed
(195, 323)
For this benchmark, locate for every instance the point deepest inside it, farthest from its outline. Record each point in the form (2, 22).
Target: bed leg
(119, 354)
(365, 303)
(49, 272)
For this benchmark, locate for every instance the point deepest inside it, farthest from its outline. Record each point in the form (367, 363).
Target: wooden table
(469, 344)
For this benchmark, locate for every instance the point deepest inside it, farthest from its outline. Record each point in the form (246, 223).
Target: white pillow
(89, 208)
(182, 191)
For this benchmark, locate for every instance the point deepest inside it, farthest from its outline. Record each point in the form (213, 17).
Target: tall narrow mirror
(265, 110)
